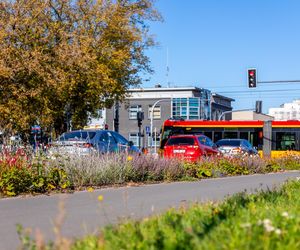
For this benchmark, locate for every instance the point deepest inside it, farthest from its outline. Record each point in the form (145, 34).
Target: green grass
(268, 220)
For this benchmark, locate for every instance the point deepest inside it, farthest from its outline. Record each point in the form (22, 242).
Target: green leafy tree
(69, 58)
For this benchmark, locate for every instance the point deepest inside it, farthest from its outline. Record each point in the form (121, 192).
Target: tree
(69, 58)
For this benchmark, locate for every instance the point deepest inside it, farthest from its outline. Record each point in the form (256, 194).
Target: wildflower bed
(267, 220)
(21, 172)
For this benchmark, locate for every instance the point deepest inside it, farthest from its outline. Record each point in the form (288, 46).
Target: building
(250, 115)
(190, 103)
(287, 111)
(219, 105)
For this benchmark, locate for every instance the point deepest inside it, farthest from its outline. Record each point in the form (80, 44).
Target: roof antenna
(168, 69)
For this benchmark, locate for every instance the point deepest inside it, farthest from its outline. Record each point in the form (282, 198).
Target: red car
(189, 147)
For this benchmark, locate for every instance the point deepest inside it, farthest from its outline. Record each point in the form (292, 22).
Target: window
(205, 141)
(106, 137)
(187, 108)
(156, 112)
(181, 141)
(133, 109)
(78, 135)
(285, 140)
(120, 139)
(134, 137)
(155, 140)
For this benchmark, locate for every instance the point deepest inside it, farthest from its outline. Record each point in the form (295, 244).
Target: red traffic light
(252, 78)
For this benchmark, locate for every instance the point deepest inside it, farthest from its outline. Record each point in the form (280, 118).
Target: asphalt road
(84, 213)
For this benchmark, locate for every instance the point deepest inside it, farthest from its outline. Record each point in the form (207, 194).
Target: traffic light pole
(140, 135)
(279, 81)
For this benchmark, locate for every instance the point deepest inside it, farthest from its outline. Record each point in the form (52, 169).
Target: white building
(287, 111)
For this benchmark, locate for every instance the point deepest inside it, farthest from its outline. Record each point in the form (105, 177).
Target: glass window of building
(134, 137)
(156, 112)
(155, 140)
(187, 108)
(133, 109)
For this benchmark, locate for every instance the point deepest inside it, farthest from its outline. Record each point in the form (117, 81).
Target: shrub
(109, 169)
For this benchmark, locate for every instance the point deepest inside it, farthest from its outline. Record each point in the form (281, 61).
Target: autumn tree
(69, 58)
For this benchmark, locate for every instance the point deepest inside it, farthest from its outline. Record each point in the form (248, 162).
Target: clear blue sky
(211, 44)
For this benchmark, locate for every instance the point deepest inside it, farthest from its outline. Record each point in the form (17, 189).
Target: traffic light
(252, 78)
(140, 117)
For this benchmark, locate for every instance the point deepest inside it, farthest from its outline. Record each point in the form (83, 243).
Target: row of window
(133, 109)
(192, 108)
(149, 140)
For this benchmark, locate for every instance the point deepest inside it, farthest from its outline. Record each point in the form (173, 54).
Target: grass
(267, 220)
(240, 222)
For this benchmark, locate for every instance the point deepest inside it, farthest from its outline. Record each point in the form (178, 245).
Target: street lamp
(151, 120)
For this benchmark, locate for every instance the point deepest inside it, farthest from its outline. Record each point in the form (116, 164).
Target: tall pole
(151, 121)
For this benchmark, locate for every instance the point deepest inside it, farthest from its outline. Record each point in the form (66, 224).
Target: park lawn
(267, 220)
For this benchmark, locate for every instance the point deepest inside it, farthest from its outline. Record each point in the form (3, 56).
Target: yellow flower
(129, 158)
(90, 189)
(51, 186)
(100, 198)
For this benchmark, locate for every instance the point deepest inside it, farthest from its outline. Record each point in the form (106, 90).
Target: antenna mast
(168, 69)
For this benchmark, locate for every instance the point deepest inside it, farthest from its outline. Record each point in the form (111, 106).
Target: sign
(147, 128)
(35, 129)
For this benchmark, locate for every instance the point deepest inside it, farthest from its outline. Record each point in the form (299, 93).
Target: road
(84, 213)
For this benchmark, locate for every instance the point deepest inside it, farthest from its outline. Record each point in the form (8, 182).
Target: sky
(211, 44)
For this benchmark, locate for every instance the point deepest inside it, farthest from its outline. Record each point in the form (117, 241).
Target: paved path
(85, 214)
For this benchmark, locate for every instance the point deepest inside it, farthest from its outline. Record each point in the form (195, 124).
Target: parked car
(189, 147)
(236, 147)
(84, 142)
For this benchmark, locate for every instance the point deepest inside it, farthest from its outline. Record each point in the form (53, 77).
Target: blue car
(85, 142)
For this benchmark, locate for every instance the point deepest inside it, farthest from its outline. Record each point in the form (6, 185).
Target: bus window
(217, 136)
(230, 135)
(255, 141)
(208, 134)
(244, 135)
(285, 140)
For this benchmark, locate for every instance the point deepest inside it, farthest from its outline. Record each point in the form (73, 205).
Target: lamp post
(151, 121)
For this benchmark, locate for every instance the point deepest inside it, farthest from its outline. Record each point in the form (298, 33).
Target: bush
(18, 175)
(107, 169)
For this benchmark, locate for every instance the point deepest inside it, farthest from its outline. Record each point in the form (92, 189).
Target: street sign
(147, 128)
(35, 129)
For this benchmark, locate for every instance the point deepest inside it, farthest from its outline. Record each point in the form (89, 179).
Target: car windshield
(77, 135)
(234, 143)
(181, 141)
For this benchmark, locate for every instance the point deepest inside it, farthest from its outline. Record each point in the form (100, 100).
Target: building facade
(286, 111)
(250, 116)
(189, 103)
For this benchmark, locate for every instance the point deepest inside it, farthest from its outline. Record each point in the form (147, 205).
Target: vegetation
(268, 220)
(21, 172)
(64, 59)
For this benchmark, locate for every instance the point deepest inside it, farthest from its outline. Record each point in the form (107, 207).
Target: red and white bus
(285, 134)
